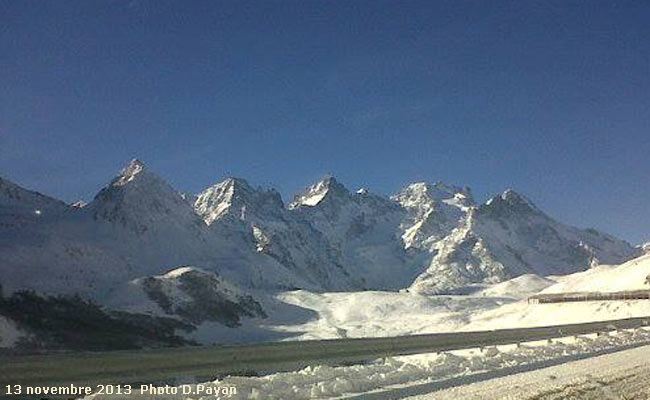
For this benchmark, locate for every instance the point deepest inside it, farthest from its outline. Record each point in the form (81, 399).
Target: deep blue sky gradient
(551, 98)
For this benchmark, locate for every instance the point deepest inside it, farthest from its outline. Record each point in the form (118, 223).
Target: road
(621, 375)
(203, 364)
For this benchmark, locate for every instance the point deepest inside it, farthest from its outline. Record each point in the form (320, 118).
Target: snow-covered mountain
(429, 237)
(123, 249)
(509, 236)
(258, 220)
(136, 226)
(86, 250)
(142, 203)
(434, 211)
(364, 229)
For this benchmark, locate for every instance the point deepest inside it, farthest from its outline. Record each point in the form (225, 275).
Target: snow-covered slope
(197, 296)
(632, 275)
(20, 207)
(364, 231)
(520, 287)
(375, 313)
(509, 236)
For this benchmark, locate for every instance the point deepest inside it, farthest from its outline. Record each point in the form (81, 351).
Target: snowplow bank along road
(196, 364)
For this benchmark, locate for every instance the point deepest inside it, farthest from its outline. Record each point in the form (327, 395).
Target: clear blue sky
(551, 98)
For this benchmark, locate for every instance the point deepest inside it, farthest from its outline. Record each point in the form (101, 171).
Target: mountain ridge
(429, 237)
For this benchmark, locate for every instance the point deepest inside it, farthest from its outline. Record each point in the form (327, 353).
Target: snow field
(381, 314)
(632, 275)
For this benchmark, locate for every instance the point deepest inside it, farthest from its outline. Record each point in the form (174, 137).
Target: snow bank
(325, 382)
(619, 375)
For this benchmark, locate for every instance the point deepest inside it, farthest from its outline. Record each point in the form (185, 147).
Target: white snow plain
(504, 305)
(380, 314)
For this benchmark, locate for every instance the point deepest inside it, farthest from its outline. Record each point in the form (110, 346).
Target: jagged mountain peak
(227, 189)
(424, 192)
(236, 183)
(329, 194)
(139, 199)
(129, 172)
(314, 194)
(434, 210)
(509, 201)
(374, 203)
(238, 196)
(134, 177)
(241, 187)
(137, 180)
(329, 180)
(255, 218)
